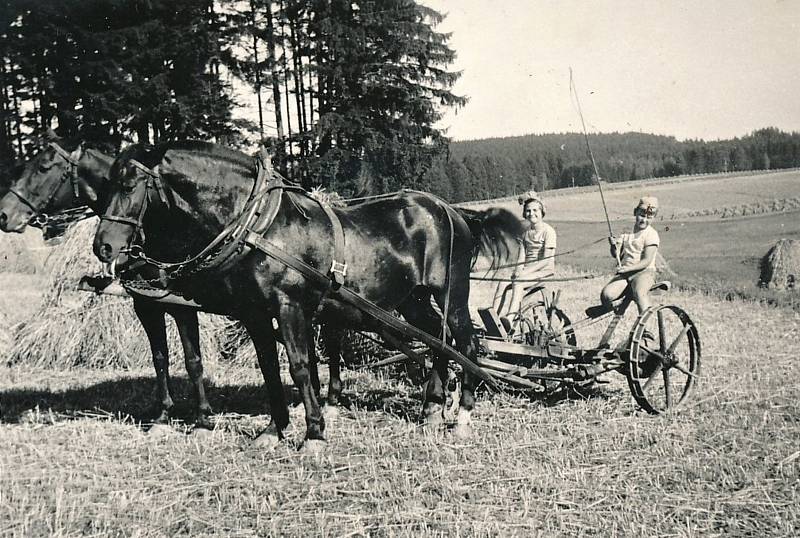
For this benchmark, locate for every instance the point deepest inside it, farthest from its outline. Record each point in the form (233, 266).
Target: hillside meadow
(677, 196)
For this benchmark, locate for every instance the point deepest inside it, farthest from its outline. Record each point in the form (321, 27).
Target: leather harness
(233, 243)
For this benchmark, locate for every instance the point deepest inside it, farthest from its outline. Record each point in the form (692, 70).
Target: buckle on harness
(338, 272)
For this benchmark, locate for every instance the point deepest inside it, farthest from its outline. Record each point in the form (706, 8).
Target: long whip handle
(591, 156)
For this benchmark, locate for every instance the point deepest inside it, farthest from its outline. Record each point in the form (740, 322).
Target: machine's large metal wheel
(663, 358)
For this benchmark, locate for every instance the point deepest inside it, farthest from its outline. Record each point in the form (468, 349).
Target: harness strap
(338, 270)
(257, 216)
(69, 157)
(368, 307)
(156, 177)
(22, 199)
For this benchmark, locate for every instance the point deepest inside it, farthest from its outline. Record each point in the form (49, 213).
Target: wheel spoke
(653, 352)
(662, 331)
(684, 370)
(674, 344)
(651, 378)
(678, 347)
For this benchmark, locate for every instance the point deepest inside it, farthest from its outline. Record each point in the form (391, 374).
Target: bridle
(153, 183)
(41, 219)
(258, 213)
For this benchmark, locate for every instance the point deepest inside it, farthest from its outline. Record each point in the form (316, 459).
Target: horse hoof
(204, 423)
(462, 431)
(330, 413)
(268, 439)
(314, 447)
(432, 428)
(433, 424)
(160, 430)
(201, 432)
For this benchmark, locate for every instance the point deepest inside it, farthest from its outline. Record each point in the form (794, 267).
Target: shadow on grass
(557, 394)
(135, 398)
(407, 403)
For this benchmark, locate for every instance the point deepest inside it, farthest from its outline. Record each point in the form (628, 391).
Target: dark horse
(194, 211)
(64, 176)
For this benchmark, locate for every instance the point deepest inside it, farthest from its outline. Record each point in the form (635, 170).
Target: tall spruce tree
(111, 70)
(381, 71)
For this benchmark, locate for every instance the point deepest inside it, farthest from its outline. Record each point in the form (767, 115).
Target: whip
(574, 92)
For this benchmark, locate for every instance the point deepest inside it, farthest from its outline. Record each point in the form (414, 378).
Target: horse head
(201, 186)
(126, 200)
(61, 176)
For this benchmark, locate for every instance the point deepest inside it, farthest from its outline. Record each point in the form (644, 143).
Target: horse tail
(495, 235)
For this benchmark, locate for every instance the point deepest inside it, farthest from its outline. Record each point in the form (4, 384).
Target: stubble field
(76, 459)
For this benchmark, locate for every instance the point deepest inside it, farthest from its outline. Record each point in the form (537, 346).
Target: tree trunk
(257, 71)
(276, 91)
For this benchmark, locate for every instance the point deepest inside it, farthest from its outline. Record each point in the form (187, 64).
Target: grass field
(76, 458)
(675, 198)
(75, 461)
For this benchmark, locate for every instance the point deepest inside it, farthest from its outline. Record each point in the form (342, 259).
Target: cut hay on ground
(79, 328)
(781, 266)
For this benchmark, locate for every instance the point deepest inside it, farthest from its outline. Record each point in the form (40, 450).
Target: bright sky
(693, 69)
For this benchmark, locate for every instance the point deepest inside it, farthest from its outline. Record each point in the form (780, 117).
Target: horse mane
(151, 155)
(217, 152)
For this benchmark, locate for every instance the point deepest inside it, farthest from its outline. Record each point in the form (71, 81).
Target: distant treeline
(496, 167)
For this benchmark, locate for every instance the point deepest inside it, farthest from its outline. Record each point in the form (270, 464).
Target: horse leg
(296, 330)
(460, 325)
(189, 331)
(151, 316)
(313, 364)
(417, 310)
(332, 337)
(261, 333)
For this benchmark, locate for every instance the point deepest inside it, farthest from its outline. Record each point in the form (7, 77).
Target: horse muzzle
(105, 252)
(13, 221)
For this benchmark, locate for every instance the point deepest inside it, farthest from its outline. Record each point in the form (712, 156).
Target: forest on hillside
(497, 167)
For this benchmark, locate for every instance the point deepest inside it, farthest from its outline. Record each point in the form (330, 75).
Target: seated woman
(536, 257)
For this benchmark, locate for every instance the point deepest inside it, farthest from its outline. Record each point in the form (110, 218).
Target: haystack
(79, 328)
(22, 253)
(780, 268)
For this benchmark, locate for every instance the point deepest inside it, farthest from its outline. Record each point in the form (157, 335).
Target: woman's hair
(535, 201)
